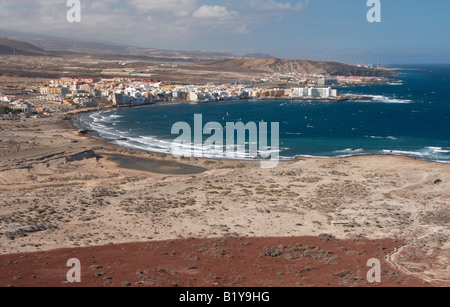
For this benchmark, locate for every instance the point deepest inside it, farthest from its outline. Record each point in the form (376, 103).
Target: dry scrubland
(57, 190)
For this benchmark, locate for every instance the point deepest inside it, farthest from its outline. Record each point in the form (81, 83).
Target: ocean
(410, 117)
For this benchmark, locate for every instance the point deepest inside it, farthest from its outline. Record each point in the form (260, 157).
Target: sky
(410, 31)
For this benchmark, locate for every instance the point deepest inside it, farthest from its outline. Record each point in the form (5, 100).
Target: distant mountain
(258, 56)
(34, 44)
(297, 66)
(12, 47)
(50, 43)
(20, 36)
(61, 46)
(193, 56)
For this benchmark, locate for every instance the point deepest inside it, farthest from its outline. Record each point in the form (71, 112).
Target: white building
(311, 92)
(299, 92)
(23, 106)
(130, 91)
(316, 92)
(5, 98)
(193, 96)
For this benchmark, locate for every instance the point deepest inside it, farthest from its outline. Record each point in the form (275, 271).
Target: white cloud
(176, 7)
(152, 23)
(218, 12)
(273, 5)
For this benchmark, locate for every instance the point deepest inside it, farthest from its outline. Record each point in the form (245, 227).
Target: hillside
(296, 66)
(10, 47)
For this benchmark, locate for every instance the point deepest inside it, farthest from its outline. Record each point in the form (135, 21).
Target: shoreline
(338, 99)
(95, 135)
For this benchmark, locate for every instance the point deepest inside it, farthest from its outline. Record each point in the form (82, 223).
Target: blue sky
(411, 31)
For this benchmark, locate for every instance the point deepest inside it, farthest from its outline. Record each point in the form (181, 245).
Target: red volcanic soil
(232, 262)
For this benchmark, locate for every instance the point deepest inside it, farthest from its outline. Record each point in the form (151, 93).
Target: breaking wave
(383, 99)
(100, 123)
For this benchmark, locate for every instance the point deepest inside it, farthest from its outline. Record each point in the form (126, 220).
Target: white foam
(354, 150)
(438, 150)
(385, 99)
(384, 137)
(402, 152)
(443, 162)
(382, 98)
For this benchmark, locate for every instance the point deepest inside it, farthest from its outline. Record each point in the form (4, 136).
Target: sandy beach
(59, 190)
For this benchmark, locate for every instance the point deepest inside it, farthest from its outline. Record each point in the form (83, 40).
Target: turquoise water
(410, 118)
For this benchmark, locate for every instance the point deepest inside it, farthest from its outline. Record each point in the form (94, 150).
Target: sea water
(409, 117)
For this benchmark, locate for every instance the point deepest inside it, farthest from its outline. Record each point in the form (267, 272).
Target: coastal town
(68, 94)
